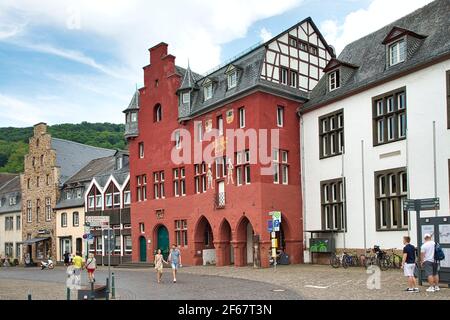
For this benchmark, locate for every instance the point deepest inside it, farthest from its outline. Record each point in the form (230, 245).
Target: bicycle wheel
(384, 263)
(334, 261)
(345, 261)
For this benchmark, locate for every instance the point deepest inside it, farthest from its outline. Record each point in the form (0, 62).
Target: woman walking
(91, 265)
(159, 260)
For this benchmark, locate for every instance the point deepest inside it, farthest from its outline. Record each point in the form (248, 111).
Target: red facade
(227, 228)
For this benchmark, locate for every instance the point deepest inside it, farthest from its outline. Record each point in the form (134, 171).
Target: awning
(34, 240)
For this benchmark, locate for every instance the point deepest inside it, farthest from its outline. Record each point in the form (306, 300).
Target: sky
(68, 61)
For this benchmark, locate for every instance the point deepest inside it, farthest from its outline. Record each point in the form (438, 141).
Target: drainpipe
(302, 173)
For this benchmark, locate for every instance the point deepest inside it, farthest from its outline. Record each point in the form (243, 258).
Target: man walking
(175, 261)
(409, 264)
(429, 264)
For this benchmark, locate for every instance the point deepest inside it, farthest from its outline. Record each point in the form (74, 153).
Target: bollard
(113, 287)
(92, 291)
(29, 297)
(68, 293)
(107, 288)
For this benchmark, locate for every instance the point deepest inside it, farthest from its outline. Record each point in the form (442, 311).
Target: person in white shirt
(429, 264)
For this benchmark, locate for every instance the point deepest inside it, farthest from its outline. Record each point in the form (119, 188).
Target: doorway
(66, 246)
(163, 241)
(79, 245)
(142, 249)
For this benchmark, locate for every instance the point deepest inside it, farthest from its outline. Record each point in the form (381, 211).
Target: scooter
(47, 264)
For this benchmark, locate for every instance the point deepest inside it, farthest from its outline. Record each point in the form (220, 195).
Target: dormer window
(232, 79)
(119, 163)
(186, 97)
(334, 80)
(397, 52)
(207, 91)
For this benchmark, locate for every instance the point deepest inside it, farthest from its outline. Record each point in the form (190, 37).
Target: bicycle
(378, 258)
(396, 260)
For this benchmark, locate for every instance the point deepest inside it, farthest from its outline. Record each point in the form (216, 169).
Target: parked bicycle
(396, 260)
(377, 257)
(345, 260)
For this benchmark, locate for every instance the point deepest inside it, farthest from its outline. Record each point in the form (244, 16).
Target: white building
(10, 217)
(379, 100)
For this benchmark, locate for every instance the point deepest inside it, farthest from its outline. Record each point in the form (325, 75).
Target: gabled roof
(72, 156)
(250, 64)
(398, 32)
(93, 168)
(370, 54)
(335, 63)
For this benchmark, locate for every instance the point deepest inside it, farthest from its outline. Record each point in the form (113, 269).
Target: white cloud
(195, 29)
(364, 21)
(265, 35)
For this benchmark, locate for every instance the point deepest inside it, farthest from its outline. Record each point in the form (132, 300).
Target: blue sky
(69, 61)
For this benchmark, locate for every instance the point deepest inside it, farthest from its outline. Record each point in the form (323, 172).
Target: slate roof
(8, 189)
(72, 156)
(432, 21)
(5, 177)
(134, 103)
(189, 80)
(249, 67)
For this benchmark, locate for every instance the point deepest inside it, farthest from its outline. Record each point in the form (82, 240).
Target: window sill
(388, 142)
(330, 156)
(391, 230)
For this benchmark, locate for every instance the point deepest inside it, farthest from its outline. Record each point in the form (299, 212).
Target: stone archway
(204, 242)
(224, 250)
(244, 242)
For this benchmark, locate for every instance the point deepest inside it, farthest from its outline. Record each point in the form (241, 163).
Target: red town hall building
(217, 211)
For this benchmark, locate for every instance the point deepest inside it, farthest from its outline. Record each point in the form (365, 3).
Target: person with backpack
(429, 263)
(409, 264)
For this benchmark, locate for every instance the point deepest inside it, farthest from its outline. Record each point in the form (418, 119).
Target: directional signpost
(418, 205)
(274, 227)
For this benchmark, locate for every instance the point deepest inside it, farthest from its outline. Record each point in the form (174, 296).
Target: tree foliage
(14, 141)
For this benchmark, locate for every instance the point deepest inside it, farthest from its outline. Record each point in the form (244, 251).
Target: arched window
(157, 113)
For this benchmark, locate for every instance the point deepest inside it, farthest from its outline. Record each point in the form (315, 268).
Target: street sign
(270, 225)
(274, 235)
(90, 236)
(276, 215)
(109, 240)
(421, 204)
(276, 225)
(97, 221)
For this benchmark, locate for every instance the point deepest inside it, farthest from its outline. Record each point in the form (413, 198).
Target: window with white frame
(200, 178)
(186, 97)
(158, 185)
(280, 116)
(241, 117)
(220, 125)
(199, 132)
(127, 242)
(181, 233)
(397, 52)
(280, 166)
(141, 150)
(334, 81)
(243, 174)
(232, 79)
(91, 202)
(293, 78)
(207, 91)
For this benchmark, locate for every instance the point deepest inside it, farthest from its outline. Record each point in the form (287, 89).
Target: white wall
(14, 236)
(426, 102)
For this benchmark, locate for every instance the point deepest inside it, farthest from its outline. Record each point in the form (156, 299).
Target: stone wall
(40, 164)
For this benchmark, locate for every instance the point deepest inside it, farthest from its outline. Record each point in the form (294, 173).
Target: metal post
(29, 297)
(68, 293)
(344, 200)
(407, 181)
(113, 287)
(107, 288)
(364, 194)
(434, 164)
(419, 243)
(109, 258)
(92, 291)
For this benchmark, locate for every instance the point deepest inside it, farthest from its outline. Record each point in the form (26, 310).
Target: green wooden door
(163, 241)
(142, 249)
